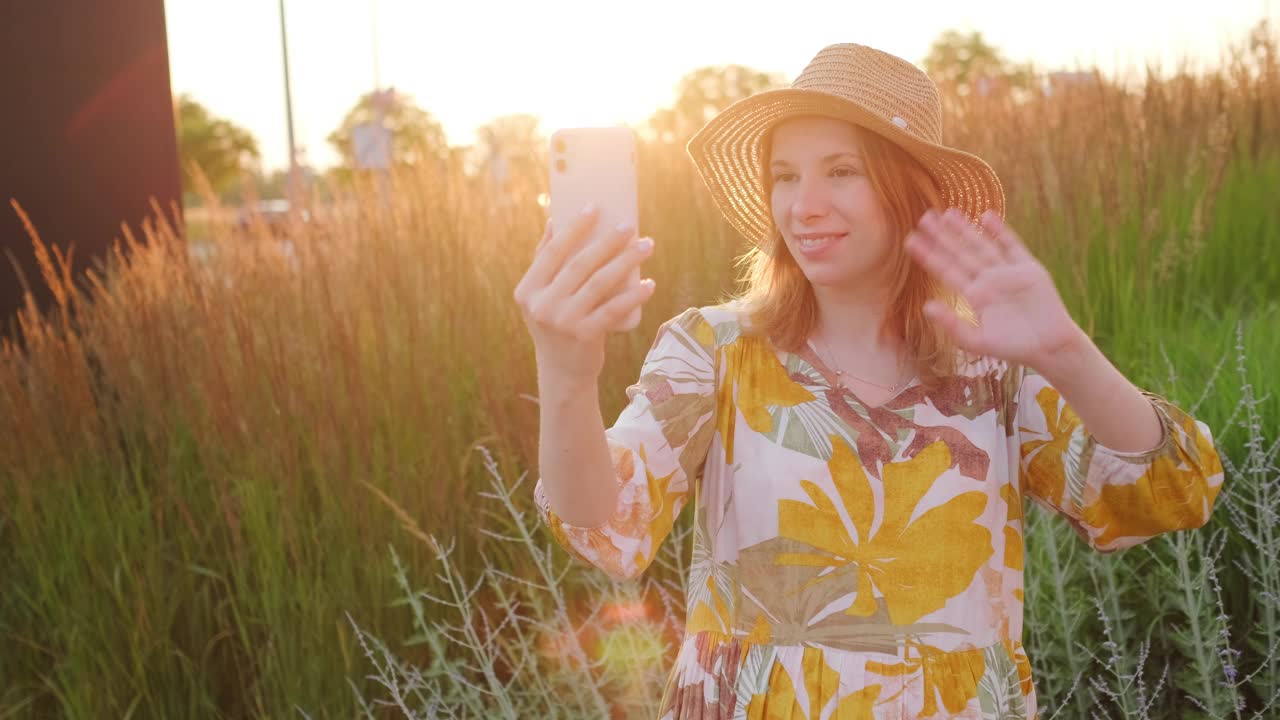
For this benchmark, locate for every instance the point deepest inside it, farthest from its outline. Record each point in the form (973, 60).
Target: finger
(959, 268)
(937, 260)
(614, 311)
(978, 250)
(560, 247)
(611, 277)
(1005, 237)
(546, 237)
(588, 260)
(527, 280)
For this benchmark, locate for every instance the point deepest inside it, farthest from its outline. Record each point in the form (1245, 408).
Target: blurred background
(268, 443)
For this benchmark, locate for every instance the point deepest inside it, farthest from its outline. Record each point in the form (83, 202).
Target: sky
(593, 62)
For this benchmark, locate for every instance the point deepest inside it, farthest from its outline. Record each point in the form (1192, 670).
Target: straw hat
(865, 86)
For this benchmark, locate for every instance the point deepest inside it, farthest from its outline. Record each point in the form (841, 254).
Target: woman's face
(823, 203)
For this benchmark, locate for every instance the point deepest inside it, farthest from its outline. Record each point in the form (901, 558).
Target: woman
(859, 428)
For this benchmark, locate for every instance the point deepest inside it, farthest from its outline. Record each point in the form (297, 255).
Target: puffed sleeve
(658, 444)
(1113, 499)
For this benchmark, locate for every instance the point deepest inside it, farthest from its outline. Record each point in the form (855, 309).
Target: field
(242, 482)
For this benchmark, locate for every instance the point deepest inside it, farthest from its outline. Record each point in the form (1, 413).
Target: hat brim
(727, 152)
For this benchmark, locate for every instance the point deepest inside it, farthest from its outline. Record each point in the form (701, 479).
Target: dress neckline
(828, 376)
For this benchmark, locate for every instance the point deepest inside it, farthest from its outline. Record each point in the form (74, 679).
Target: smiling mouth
(817, 241)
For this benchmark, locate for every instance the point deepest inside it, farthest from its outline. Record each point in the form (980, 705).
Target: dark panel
(87, 137)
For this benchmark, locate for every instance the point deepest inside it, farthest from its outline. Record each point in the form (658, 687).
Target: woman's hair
(778, 299)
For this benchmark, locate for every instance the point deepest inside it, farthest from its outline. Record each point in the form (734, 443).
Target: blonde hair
(778, 299)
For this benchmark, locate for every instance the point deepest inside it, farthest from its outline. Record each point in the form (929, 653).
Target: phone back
(596, 165)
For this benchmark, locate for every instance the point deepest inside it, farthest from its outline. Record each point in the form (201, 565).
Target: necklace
(840, 373)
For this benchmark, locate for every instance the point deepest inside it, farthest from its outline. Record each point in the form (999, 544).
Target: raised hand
(575, 292)
(1021, 316)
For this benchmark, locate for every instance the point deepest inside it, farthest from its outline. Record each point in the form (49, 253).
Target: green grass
(207, 459)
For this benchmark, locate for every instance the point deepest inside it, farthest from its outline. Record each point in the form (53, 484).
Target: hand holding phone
(597, 166)
(585, 277)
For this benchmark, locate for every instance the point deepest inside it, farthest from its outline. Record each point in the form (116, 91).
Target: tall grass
(209, 450)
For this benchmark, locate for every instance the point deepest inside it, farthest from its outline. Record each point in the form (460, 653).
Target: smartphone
(596, 165)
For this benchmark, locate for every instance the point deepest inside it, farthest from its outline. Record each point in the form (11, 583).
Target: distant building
(990, 85)
(1064, 81)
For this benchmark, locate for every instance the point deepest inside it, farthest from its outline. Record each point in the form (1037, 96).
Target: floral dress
(862, 562)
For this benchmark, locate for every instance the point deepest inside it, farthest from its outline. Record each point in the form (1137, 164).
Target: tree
(416, 136)
(222, 150)
(511, 147)
(966, 62)
(274, 184)
(703, 93)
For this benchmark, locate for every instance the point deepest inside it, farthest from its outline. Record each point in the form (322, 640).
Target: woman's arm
(625, 486)
(573, 455)
(1115, 411)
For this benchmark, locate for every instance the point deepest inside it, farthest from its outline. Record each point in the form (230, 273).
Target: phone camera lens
(560, 165)
(559, 145)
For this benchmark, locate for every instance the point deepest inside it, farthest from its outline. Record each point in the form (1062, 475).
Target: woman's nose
(811, 199)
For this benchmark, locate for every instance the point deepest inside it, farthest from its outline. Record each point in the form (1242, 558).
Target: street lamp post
(288, 111)
(377, 79)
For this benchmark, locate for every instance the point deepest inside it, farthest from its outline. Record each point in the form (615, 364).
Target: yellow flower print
(1207, 458)
(1164, 498)
(821, 683)
(1023, 664)
(1013, 550)
(1046, 474)
(917, 565)
(858, 705)
(948, 677)
(760, 632)
(1011, 497)
(704, 617)
(629, 520)
(761, 381)
(661, 501)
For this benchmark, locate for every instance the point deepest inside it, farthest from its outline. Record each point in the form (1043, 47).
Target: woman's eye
(782, 177)
(844, 171)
